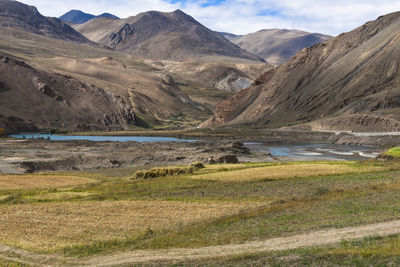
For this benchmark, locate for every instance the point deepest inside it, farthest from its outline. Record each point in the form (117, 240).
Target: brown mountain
(14, 14)
(31, 98)
(117, 79)
(158, 35)
(351, 82)
(276, 46)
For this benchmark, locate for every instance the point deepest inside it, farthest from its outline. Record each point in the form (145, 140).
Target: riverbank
(30, 156)
(270, 136)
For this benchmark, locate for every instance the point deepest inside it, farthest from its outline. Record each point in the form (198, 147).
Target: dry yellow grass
(36, 181)
(284, 171)
(51, 225)
(61, 195)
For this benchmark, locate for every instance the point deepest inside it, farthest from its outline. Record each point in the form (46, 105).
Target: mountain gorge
(350, 82)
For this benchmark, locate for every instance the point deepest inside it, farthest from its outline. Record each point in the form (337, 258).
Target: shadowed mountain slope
(31, 98)
(158, 35)
(351, 82)
(14, 14)
(277, 46)
(79, 17)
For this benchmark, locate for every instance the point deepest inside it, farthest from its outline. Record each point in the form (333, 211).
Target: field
(104, 215)
(14, 182)
(285, 171)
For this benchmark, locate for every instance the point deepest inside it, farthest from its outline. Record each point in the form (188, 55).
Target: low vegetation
(370, 251)
(394, 152)
(78, 223)
(231, 203)
(168, 171)
(286, 171)
(163, 172)
(40, 181)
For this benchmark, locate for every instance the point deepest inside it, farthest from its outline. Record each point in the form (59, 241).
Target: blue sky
(242, 16)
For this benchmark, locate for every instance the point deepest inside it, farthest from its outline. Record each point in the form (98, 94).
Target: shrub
(197, 165)
(163, 172)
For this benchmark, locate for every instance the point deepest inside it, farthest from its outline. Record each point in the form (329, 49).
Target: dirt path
(305, 240)
(318, 238)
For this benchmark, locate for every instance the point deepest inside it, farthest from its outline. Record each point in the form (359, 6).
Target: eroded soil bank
(27, 156)
(22, 156)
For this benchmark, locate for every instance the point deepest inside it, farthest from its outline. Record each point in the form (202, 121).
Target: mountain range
(15, 15)
(79, 17)
(160, 69)
(158, 35)
(350, 82)
(276, 46)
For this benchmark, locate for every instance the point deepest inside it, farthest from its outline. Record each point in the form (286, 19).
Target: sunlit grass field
(286, 171)
(41, 181)
(395, 152)
(107, 211)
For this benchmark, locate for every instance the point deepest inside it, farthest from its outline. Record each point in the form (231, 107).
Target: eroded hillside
(354, 77)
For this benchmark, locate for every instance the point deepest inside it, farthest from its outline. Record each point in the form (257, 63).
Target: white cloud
(243, 16)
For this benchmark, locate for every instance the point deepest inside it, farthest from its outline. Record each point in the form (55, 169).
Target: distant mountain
(229, 35)
(79, 17)
(158, 35)
(27, 18)
(276, 46)
(351, 82)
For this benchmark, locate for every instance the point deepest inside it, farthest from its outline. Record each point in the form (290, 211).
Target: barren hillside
(158, 35)
(353, 77)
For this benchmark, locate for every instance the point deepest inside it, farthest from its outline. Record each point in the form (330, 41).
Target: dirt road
(305, 240)
(317, 238)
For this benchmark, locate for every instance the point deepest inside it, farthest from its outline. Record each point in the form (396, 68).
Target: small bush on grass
(163, 172)
(197, 165)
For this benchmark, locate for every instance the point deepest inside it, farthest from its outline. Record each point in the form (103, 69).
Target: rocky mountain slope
(158, 35)
(349, 82)
(34, 99)
(14, 14)
(276, 46)
(79, 17)
(219, 76)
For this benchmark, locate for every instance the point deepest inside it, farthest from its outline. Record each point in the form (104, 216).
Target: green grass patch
(394, 152)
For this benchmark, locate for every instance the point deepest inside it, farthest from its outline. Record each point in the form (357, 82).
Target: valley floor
(279, 213)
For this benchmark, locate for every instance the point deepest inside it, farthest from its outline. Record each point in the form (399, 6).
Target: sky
(241, 16)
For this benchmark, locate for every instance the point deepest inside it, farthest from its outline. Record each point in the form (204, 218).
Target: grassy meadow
(106, 211)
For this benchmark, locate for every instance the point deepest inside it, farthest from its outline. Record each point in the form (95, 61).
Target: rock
(121, 35)
(211, 160)
(46, 90)
(2, 87)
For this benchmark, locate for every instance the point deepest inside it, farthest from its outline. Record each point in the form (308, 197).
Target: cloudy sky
(242, 16)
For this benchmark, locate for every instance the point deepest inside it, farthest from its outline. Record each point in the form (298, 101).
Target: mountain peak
(27, 18)
(80, 17)
(178, 11)
(163, 35)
